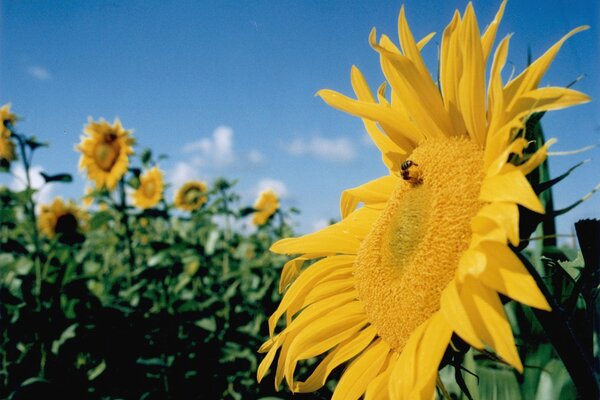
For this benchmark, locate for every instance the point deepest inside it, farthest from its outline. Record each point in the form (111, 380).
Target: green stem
(227, 232)
(564, 340)
(30, 209)
(122, 206)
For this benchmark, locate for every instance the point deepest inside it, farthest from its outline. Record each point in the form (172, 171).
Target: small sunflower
(427, 255)
(191, 196)
(7, 150)
(6, 118)
(62, 218)
(150, 191)
(266, 205)
(105, 152)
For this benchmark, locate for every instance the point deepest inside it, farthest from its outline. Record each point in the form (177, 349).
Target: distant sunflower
(62, 218)
(105, 152)
(7, 147)
(427, 255)
(6, 118)
(191, 196)
(266, 205)
(150, 191)
(7, 150)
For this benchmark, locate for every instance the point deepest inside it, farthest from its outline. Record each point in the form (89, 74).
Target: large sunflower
(150, 191)
(191, 196)
(105, 152)
(427, 255)
(62, 218)
(265, 205)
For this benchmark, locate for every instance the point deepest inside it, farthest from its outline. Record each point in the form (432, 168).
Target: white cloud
(45, 193)
(183, 172)
(255, 157)
(319, 224)
(267, 183)
(337, 149)
(215, 151)
(39, 73)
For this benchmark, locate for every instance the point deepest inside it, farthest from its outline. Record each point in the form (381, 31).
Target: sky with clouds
(226, 88)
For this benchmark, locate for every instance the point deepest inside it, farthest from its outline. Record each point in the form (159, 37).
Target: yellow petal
(342, 353)
(531, 76)
(537, 158)
(506, 215)
(452, 308)
(394, 124)
(375, 191)
(545, 99)
(324, 334)
(361, 372)
(488, 316)
(487, 40)
(472, 84)
(413, 376)
(511, 186)
(506, 274)
(305, 282)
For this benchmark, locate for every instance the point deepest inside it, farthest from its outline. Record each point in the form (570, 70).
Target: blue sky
(227, 87)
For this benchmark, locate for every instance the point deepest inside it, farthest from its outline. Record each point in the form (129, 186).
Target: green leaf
(100, 219)
(33, 144)
(57, 177)
(95, 372)
(66, 335)
(208, 324)
(146, 156)
(573, 268)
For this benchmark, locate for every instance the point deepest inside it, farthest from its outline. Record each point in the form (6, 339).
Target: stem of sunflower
(31, 211)
(125, 222)
(564, 340)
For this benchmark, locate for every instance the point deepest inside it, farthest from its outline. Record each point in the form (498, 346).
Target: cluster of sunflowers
(163, 272)
(427, 286)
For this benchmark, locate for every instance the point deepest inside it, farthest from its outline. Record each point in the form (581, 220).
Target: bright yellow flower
(266, 205)
(105, 152)
(7, 149)
(63, 218)
(191, 196)
(427, 255)
(150, 191)
(6, 117)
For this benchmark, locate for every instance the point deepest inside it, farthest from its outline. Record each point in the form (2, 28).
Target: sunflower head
(150, 191)
(428, 254)
(191, 196)
(6, 119)
(62, 219)
(105, 151)
(265, 205)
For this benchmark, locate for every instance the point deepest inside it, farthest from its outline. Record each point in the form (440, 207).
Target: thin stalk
(30, 208)
(564, 340)
(122, 206)
(227, 231)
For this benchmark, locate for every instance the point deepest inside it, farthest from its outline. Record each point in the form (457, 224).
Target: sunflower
(191, 196)
(62, 218)
(7, 150)
(105, 152)
(6, 118)
(428, 253)
(265, 205)
(150, 191)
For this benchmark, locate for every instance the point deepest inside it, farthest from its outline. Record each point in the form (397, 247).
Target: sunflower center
(192, 196)
(413, 250)
(149, 189)
(106, 154)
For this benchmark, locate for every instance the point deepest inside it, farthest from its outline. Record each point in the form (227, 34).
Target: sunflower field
(442, 279)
